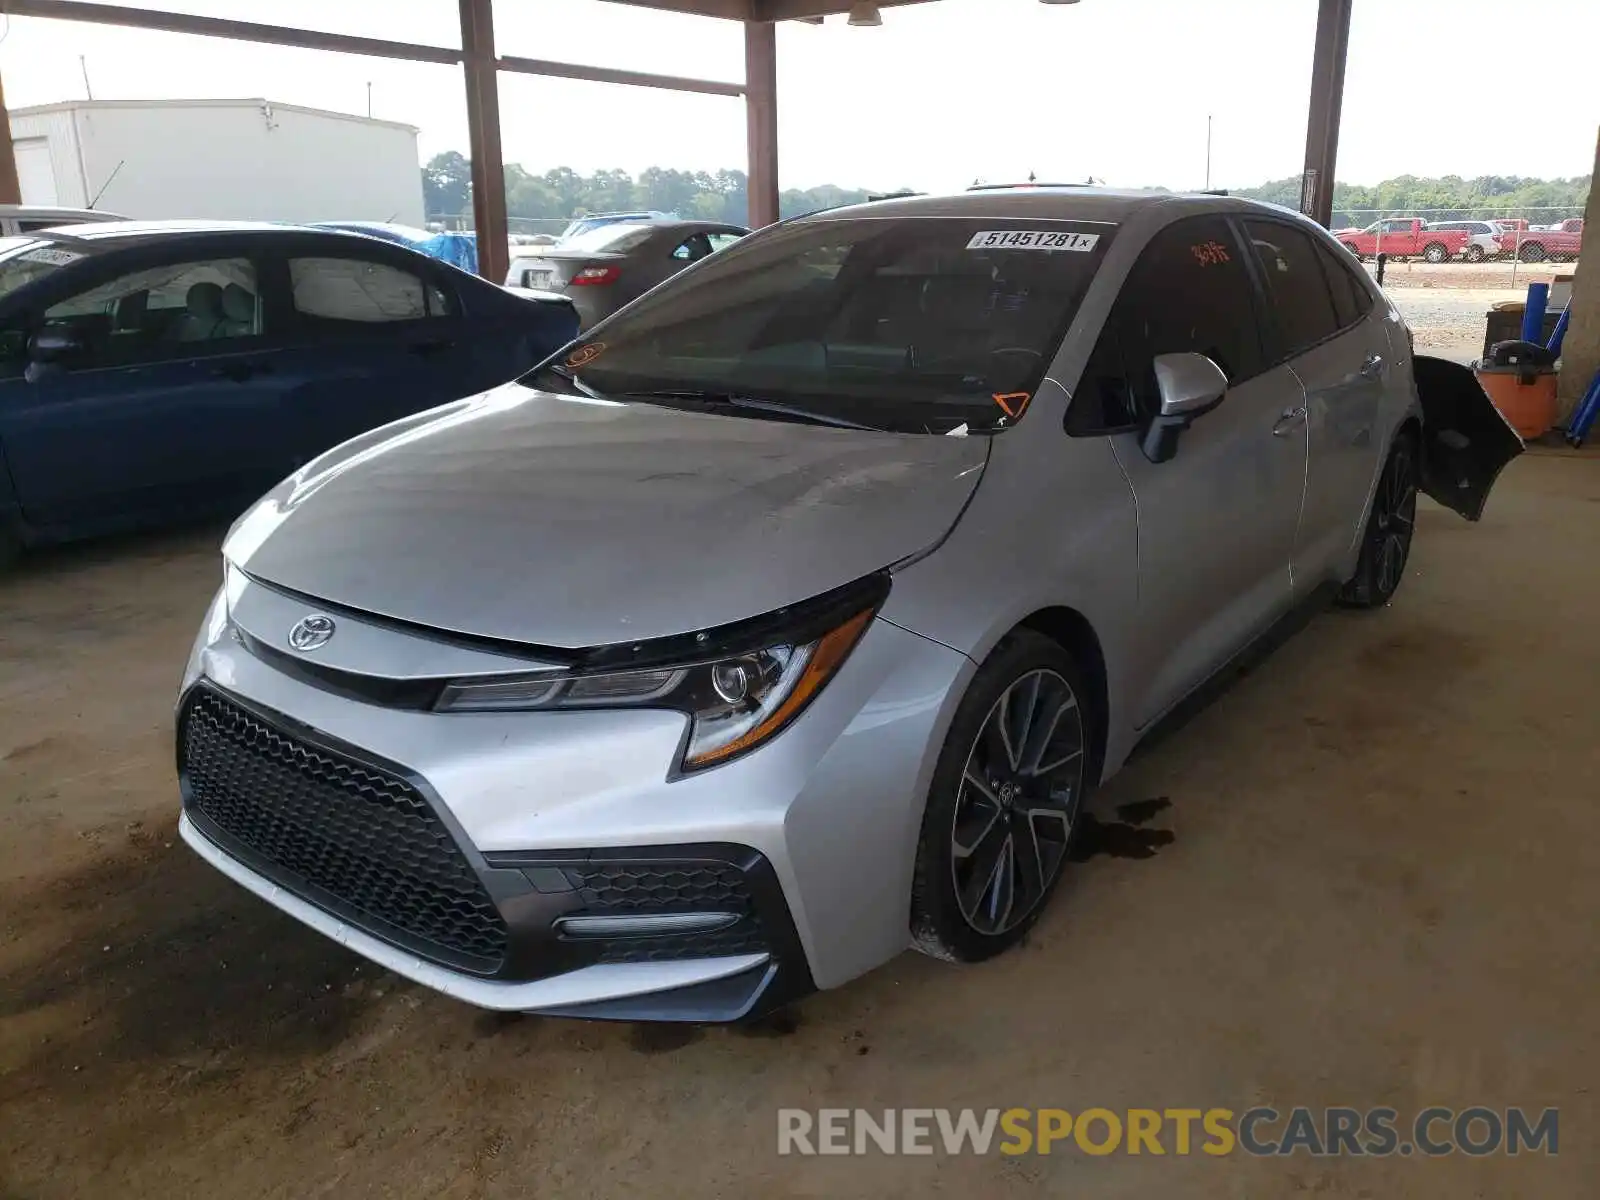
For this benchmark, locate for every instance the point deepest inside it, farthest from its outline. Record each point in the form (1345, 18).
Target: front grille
(663, 886)
(348, 836)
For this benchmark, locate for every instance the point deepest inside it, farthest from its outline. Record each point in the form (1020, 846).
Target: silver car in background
(790, 619)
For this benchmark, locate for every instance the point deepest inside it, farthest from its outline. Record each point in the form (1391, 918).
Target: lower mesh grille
(666, 885)
(335, 829)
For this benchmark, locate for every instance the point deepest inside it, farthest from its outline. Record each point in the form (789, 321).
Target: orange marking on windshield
(1012, 403)
(1209, 254)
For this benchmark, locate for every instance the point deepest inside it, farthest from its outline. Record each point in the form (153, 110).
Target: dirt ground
(1445, 303)
(1363, 876)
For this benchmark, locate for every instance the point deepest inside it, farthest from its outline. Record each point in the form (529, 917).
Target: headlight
(735, 701)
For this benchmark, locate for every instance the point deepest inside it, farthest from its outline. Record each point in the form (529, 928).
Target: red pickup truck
(1404, 237)
(1559, 242)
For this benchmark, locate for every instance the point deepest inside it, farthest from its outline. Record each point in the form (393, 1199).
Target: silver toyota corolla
(790, 619)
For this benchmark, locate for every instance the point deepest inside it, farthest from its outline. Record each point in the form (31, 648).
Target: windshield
(913, 324)
(37, 260)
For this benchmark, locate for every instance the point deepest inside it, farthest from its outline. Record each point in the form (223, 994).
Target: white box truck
(217, 159)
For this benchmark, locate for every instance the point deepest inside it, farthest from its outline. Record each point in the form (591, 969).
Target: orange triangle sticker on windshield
(1012, 403)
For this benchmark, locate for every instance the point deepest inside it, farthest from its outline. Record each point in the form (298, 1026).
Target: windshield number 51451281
(1032, 239)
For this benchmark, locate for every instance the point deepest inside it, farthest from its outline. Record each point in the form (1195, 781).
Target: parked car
(604, 268)
(26, 218)
(792, 617)
(456, 248)
(1562, 243)
(596, 220)
(151, 372)
(1404, 237)
(1482, 238)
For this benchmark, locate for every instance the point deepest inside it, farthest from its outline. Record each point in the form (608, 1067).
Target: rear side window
(353, 289)
(1301, 299)
(1189, 291)
(1351, 299)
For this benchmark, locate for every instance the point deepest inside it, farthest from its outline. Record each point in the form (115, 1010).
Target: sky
(940, 95)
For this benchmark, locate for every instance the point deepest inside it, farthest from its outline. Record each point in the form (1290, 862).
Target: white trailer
(217, 159)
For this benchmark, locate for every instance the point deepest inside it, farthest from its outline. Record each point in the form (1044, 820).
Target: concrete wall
(1580, 353)
(229, 159)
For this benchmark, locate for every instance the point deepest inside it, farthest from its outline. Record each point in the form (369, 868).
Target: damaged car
(791, 618)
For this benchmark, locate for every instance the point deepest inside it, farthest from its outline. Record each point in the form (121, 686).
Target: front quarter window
(912, 324)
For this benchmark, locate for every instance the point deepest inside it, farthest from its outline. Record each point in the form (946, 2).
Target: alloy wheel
(1018, 797)
(1394, 516)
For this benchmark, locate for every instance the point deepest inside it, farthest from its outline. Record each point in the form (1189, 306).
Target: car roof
(119, 235)
(1107, 205)
(36, 211)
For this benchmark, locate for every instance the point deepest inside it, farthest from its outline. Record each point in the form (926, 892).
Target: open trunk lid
(1466, 442)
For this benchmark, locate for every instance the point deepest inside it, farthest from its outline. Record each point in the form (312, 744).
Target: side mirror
(54, 344)
(1190, 384)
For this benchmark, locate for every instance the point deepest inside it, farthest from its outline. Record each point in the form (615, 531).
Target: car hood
(565, 522)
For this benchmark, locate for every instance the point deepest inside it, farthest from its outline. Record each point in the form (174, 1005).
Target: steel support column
(761, 119)
(1327, 99)
(483, 133)
(10, 187)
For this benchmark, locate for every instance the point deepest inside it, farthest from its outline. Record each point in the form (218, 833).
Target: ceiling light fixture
(865, 13)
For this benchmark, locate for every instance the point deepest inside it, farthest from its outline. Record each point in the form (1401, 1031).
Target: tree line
(562, 193)
(1450, 198)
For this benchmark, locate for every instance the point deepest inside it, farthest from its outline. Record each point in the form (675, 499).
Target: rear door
(170, 406)
(376, 334)
(1467, 443)
(1324, 325)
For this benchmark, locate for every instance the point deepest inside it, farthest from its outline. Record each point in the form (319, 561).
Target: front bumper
(804, 848)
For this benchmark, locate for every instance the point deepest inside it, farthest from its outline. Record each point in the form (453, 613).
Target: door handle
(1372, 368)
(1287, 420)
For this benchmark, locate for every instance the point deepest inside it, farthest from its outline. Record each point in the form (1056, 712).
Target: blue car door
(374, 336)
(159, 399)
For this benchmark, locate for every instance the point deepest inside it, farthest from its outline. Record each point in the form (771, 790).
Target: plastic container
(1525, 396)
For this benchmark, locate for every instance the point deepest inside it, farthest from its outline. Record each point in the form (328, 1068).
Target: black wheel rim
(1016, 803)
(1394, 514)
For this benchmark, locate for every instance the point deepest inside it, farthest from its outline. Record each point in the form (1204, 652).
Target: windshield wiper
(734, 400)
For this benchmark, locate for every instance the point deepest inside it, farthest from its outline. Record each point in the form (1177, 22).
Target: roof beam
(246, 31)
(676, 83)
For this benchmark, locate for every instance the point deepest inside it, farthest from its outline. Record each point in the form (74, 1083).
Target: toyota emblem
(311, 633)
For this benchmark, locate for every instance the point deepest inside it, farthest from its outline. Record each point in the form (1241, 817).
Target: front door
(168, 406)
(1217, 521)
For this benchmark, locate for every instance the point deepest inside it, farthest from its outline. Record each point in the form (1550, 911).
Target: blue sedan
(151, 372)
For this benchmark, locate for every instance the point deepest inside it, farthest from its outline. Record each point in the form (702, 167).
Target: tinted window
(1103, 399)
(616, 238)
(1189, 291)
(692, 248)
(918, 325)
(721, 241)
(1351, 299)
(1298, 292)
(163, 312)
(353, 289)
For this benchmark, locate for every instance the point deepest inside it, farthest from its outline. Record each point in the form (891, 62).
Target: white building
(233, 159)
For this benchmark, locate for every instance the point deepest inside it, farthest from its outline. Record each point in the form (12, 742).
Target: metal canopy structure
(481, 66)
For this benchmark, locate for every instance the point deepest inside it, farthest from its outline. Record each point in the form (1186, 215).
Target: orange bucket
(1525, 397)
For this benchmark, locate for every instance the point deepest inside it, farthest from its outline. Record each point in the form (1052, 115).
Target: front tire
(1006, 795)
(1386, 542)
(1435, 252)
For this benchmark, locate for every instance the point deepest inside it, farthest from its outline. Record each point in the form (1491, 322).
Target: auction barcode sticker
(1032, 239)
